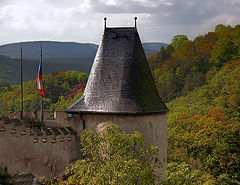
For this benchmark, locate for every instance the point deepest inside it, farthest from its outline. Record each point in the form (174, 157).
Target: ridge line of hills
(58, 57)
(58, 49)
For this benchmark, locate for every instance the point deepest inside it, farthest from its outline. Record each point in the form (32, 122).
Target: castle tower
(121, 89)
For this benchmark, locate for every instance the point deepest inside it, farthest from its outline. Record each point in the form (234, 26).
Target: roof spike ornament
(105, 22)
(135, 20)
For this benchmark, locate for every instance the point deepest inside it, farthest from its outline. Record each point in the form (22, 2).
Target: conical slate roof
(120, 81)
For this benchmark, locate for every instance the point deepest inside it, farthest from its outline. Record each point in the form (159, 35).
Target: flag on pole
(39, 77)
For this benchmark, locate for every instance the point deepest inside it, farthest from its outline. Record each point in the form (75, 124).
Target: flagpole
(41, 114)
(21, 82)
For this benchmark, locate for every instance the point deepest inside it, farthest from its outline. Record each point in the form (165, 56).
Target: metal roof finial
(105, 22)
(135, 18)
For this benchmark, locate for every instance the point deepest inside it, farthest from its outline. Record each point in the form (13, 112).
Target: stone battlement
(42, 151)
(60, 117)
(14, 127)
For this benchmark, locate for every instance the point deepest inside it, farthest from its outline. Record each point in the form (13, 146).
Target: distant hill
(151, 48)
(10, 68)
(62, 49)
(57, 57)
(50, 49)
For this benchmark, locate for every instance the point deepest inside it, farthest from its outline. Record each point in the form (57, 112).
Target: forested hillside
(61, 90)
(200, 81)
(51, 49)
(10, 68)
(185, 64)
(204, 131)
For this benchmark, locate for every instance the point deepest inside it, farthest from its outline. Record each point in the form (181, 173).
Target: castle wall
(24, 150)
(76, 122)
(153, 127)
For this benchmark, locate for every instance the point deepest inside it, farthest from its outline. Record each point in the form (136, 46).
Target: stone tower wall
(153, 127)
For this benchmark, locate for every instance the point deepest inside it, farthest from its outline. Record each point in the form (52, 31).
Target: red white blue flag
(39, 79)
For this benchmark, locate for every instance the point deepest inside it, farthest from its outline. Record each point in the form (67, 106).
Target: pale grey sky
(82, 20)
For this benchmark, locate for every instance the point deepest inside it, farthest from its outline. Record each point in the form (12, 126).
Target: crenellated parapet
(59, 119)
(42, 151)
(16, 127)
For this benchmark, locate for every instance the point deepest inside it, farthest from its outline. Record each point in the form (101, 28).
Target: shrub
(110, 156)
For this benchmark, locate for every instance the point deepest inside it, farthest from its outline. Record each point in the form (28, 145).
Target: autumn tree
(110, 156)
(61, 91)
(177, 41)
(221, 28)
(224, 51)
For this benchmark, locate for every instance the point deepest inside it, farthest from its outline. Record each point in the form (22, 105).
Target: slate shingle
(120, 81)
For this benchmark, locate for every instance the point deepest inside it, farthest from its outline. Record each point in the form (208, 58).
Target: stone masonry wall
(153, 127)
(48, 151)
(42, 152)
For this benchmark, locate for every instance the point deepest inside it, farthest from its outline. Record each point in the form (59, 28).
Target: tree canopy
(200, 82)
(61, 90)
(110, 156)
(178, 40)
(183, 65)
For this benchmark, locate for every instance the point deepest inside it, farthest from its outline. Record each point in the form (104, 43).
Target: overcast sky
(82, 20)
